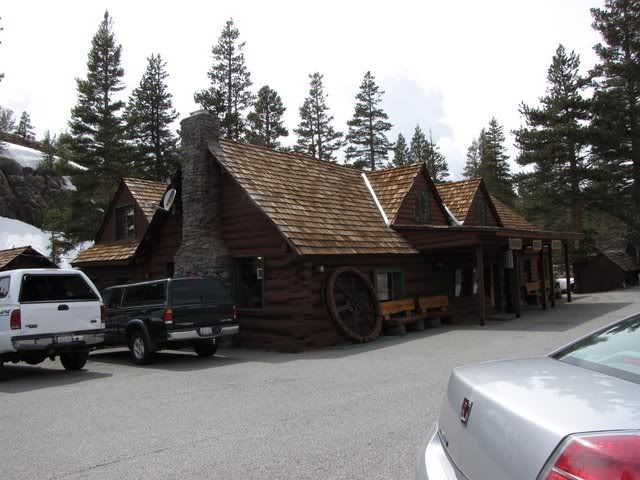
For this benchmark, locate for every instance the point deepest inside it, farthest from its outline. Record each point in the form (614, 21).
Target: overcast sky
(448, 65)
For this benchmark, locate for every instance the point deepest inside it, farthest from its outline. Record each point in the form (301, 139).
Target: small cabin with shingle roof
(23, 257)
(309, 248)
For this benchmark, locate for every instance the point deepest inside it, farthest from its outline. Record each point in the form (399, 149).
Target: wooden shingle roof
(320, 207)
(511, 219)
(623, 260)
(108, 252)
(392, 185)
(458, 196)
(9, 255)
(147, 194)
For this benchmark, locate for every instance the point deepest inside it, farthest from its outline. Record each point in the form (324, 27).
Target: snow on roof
(27, 157)
(14, 233)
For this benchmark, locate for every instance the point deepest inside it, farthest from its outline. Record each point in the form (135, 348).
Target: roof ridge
(146, 180)
(458, 182)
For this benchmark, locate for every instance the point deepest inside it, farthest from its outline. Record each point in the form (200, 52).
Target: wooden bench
(434, 309)
(397, 314)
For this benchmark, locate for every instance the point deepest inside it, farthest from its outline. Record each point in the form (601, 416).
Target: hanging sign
(508, 259)
(515, 244)
(537, 245)
(556, 245)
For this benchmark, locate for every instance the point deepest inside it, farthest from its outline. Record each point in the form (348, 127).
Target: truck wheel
(74, 360)
(139, 348)
(206, 349)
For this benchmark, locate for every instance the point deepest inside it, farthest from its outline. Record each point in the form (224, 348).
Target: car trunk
(522, 409)
(199, 303)
(57, 303)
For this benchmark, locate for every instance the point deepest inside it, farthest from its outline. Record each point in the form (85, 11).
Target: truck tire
(74, 360)
(139, 348)
(205, 349)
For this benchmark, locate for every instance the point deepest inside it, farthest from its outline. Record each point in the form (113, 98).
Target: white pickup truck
(45, 313)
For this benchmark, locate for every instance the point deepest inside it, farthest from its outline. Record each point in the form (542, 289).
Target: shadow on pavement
(170, 360)
(21, 378)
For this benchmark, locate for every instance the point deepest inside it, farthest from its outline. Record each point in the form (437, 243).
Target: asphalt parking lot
(347, 412)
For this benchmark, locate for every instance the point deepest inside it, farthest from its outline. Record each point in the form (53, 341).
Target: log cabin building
(23, 257)
(309, 248)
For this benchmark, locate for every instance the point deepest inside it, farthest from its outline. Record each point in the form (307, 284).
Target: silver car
(573, 415)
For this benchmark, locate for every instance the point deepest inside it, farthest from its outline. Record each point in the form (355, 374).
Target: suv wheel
(139, 348)
(74, 360)
(206, 349)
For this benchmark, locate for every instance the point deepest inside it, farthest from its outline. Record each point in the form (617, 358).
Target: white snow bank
(27, 157)
(14, 233)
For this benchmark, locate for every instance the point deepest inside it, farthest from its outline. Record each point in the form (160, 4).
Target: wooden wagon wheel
(353, 305)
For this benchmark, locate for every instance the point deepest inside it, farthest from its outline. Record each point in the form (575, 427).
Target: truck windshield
(197, 291)
(614, 351)
(55, 288)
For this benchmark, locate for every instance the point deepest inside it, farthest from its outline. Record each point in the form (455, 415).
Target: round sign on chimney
(168, 199)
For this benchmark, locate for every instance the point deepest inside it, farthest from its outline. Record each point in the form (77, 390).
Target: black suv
(170, 313)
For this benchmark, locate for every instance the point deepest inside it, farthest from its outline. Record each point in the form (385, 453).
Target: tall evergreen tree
(494, 163)
(400, 152)
(7, 120)
(25, 129)
(417, 146)
(436, 162)
(554, 143)
(472, 164)
(266, 123)
(48, 153)
(316, 135)
(149, 115)
(228, 95)
(98, 133)
(616, 108)
(368, 143)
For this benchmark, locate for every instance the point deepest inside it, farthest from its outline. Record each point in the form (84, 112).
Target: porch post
(481, 300)
(567, 271)
(541, 268)
(552, 289)
(516, 273)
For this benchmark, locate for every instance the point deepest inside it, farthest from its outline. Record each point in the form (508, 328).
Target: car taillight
(103, 314)
(597, 456)
(168, 315)
(235, 312)
(16, 321)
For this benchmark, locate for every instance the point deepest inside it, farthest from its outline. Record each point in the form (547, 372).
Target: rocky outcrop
(26, 194)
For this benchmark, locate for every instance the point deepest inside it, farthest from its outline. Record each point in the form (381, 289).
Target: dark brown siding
(472, 219)
(599, 274)
(108, 276)
(122, 199)
(406, 212)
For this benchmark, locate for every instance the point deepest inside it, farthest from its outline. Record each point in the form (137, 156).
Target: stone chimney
(202, 251)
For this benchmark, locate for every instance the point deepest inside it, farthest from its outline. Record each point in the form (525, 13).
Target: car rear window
(4, 286)
(614, 350)
(145, 294)
(195, 291)
(55, 288)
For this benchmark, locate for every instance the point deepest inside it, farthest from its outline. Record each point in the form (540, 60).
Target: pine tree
(316, 135)
(400, 152)
(266, 123)
(437, 165)
(368, 143)
(7, 120)
(472, 165)
(417, 146)
(229, 95)
(149, 115)
(494, 163)
(47, 165)
(98, 133)
(554, 142)
(615, 128)
(25, 129)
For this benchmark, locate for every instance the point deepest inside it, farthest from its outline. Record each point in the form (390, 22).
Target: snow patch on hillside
(27, 157)
(14, 233)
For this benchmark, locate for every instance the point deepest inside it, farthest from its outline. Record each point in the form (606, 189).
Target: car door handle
(63, 307)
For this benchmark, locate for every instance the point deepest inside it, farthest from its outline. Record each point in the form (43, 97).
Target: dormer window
(422, 210)
(125, 222)
(481, 211)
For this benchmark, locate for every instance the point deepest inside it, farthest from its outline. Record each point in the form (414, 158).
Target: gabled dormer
(470, 202)
(408, 196)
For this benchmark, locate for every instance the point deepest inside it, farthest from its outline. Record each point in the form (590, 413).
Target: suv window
(614, 351)
(4, 286)
(194, 291)
(145, 294)
(55, 288)
(113, 297)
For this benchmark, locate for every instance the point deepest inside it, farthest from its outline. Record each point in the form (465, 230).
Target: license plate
(206, 330)
(64, 339)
